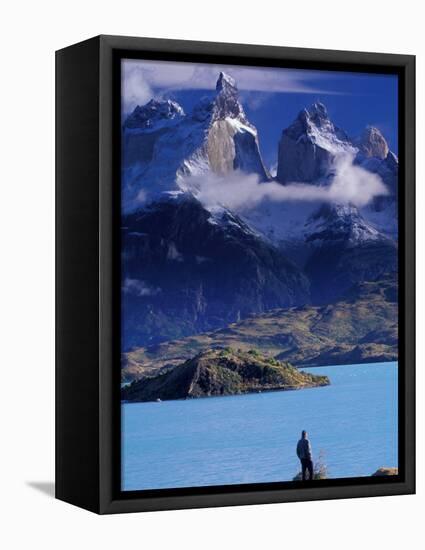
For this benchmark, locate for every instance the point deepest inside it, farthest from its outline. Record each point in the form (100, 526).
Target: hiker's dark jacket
(304, 449)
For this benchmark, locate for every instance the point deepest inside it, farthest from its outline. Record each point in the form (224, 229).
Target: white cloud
(142, 80)
(241, 192)
(355, 185)
(135, 88)
(138, 288)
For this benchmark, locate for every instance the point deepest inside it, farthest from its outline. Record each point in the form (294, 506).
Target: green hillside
(221, 372)
(360, 328)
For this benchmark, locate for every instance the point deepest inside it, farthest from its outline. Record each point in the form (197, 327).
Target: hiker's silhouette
(304, 453)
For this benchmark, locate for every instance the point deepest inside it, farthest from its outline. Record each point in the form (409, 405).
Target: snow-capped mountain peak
(317, 113)
(225, 83)
(372, 143)
(320, 130)
(164, 146)
(336, 223)
(226, 103)
(155, 111)
(309, 146)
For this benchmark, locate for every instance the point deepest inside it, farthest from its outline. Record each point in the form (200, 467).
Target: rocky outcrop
(222, 372)
(226, 103)
(308, 147)
(386, 471)
(372, 143)
(232, 141)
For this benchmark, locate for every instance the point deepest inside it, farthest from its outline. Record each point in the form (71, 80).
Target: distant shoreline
(304, 367)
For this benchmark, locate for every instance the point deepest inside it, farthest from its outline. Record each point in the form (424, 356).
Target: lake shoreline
(305, 367)
(222, 371)
(241, 394)
(252, 437)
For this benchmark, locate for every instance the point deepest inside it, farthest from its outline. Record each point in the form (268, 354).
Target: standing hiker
(305, 456)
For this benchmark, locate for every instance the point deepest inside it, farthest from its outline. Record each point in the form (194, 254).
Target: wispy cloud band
(142, 80)
(241, 192)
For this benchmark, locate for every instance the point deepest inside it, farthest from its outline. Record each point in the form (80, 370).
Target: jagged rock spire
(316, 116)
(318, 113)
(225, 83)
(227, 99)
(309, 145)
(372, 143)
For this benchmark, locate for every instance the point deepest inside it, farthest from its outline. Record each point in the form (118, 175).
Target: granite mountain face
(309, 146)
(162, 145)
(340, 243)
(187, 269)
(190, 267)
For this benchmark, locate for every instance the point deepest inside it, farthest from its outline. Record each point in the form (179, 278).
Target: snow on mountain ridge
(225, 82)
(226, 103)
(309, 145)
(340, 223)
(163, 145)
(320, 129)
(154, 111)
(311, 149)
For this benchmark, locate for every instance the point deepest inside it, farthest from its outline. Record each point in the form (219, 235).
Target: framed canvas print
(235, 274)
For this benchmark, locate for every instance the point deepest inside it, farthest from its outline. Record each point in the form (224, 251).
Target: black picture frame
(88, 277)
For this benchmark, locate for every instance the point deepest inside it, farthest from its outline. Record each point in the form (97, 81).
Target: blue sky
(272, 97)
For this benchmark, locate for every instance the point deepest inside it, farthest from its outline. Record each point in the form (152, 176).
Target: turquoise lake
(252, 438)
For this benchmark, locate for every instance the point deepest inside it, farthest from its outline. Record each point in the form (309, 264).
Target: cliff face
(222, 372)
(372, 143)
(185, 271)
(163, 145)
(308, 147)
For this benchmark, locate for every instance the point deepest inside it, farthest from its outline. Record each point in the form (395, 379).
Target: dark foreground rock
(222, 372)
(386, 471)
